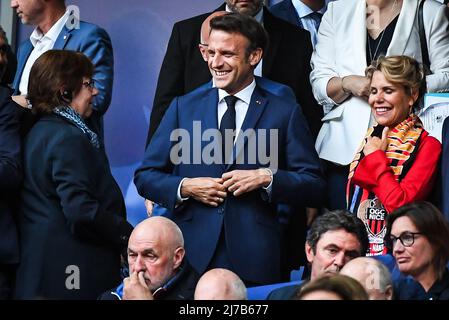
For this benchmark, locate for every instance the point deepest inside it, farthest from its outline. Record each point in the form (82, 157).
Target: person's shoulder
(284, 293)
(275, 22)
(196, 20)
(279, 6)
(90, 28)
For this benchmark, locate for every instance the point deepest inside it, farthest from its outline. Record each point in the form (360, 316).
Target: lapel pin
(258, 102)
(65, 37)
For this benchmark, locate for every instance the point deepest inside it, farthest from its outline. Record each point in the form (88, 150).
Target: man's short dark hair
(335, 220)
(244, 25)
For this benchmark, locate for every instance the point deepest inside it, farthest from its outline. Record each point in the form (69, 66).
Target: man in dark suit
(59, 28)
(10, 177)
(287, 61)
(305, 14)
(223, 201)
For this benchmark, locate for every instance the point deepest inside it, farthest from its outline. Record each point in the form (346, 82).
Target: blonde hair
(402, 71)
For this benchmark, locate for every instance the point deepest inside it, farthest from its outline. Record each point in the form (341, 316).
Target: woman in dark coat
(72, 222)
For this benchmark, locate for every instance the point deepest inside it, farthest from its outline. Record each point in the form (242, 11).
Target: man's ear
(309, 253)
(178, 257)
(255, 56)
(203, 51)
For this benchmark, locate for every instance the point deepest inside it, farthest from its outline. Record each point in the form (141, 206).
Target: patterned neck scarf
(73, 117)
(402, 142)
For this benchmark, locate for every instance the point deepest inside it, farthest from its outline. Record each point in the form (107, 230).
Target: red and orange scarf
(402, 142)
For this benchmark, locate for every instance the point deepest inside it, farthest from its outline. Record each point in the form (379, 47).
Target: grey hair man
(220, 284)
(373, 275)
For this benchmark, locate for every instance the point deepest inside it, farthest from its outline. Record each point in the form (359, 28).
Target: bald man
(373, 275)
(220, 284)
(158, 270)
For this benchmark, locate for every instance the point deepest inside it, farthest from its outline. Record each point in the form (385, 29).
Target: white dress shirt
(41, 43)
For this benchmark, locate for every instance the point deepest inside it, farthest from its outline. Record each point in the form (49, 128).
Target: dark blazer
(284, 293)
(72, 215)
(445, 169)
(95, 43)
(10, 176)
(250, 222)
(285, 10)
(287, 61)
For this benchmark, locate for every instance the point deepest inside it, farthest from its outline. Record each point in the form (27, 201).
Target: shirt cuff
(180, 199)
(270, 186)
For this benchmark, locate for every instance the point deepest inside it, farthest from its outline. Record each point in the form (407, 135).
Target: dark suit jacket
(251, 226)
(445, 169)
(287, 61)
(10, 176)
(72, 214)
(286, 11)
(95, 43)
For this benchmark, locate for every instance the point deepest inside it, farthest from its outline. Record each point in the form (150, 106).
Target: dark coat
(72, 215)
(10, 176)
(287, 61)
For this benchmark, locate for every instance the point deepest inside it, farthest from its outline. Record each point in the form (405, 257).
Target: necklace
(371, 55)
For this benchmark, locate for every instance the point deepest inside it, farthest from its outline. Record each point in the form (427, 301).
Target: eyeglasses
(89, 84)
(407, 239)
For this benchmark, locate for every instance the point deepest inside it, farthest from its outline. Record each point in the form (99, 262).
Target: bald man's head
(373, 275)
(205, 31)
(220, 284)
(205, 27)
(156, 248)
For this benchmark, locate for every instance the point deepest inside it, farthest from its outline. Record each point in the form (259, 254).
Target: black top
(379, 46)
(409, 289)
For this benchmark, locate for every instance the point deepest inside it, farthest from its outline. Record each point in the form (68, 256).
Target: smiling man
(226, 207)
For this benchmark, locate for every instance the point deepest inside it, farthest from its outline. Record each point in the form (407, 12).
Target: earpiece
(66, 95)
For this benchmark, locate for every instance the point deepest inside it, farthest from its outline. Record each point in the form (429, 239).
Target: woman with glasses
(417, 235)
(397, 160)
(72, 220)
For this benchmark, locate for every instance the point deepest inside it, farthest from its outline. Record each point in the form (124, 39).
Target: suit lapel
(255, 110)
(62, 39)
(403, 28)
(269, 22)
(292, 14)
(24, 54)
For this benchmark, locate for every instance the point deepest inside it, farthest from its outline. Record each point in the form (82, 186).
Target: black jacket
(10, 176)
(72, 219)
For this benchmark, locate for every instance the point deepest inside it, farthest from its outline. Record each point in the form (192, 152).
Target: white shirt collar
(258, 16)
(303, 10)
(53, 33)
(244, 94)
